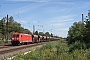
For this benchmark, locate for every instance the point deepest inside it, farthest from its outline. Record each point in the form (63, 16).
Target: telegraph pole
(89, 13)
(7, 30)
(82, 18)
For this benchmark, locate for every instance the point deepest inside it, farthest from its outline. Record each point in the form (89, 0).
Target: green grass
(56, 50)
(2, 42)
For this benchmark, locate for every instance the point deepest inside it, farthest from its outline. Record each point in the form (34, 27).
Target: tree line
(14, 26)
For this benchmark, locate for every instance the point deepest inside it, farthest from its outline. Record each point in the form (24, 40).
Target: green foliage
(77, 46)
(49, 51)
(41, 33)
(2, 28)
(36, 33)
(1, 41)
(26, 31)
(75, 33)
(47, 34)
(87, 32)
(56, 51)
(13, 26)
(79, 32)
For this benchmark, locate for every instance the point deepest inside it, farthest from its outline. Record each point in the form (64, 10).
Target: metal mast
(7, 29)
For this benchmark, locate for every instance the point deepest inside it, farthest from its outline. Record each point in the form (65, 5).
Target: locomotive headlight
(17, 38)
(12, 38)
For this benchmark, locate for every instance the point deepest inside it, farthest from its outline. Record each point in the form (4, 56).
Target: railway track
(8, 51)
(5, 46)
(3, 51)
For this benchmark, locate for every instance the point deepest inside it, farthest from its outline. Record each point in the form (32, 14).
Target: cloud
(62, 20)
(54, 9)
(24, 9)
(20, 10)
(60, 25)
(21, 21)
(66, 2)
(30, 0)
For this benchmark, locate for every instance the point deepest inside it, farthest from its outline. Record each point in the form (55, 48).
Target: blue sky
(56, 16)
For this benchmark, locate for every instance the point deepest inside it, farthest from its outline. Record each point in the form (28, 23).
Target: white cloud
(55, 9)
(66, 2)
(61, 20)
(21, 21)
(40, 0)
(30, 0)
(24, 9)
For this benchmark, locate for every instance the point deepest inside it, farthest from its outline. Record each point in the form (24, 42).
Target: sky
(54, 16)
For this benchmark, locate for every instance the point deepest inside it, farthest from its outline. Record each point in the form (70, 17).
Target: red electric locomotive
(18, 38)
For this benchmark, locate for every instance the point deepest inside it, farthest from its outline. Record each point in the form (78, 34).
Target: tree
(51, 35)
(80, 32)
(36, 33)
(26, 31)
(47, 34)
(41, 33)
(87, 32)
(2, 27)
(75, 32)
(11, 22)
(13, 26)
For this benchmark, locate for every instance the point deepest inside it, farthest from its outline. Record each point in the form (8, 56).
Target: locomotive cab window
(15, 35)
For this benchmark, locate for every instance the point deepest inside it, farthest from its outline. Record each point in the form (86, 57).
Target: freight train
(20, 38)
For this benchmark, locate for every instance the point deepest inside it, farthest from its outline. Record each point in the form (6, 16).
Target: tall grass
(2, 42)
(56, 50)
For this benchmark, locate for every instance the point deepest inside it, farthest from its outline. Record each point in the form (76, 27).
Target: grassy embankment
(3, 42)
(56, 50)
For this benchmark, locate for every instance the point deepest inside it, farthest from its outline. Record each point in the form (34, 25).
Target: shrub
(77, 45)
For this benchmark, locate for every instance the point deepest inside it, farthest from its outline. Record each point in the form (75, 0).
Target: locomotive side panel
(25, 38)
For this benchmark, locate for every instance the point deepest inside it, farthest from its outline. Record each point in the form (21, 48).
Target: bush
(77, 45)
